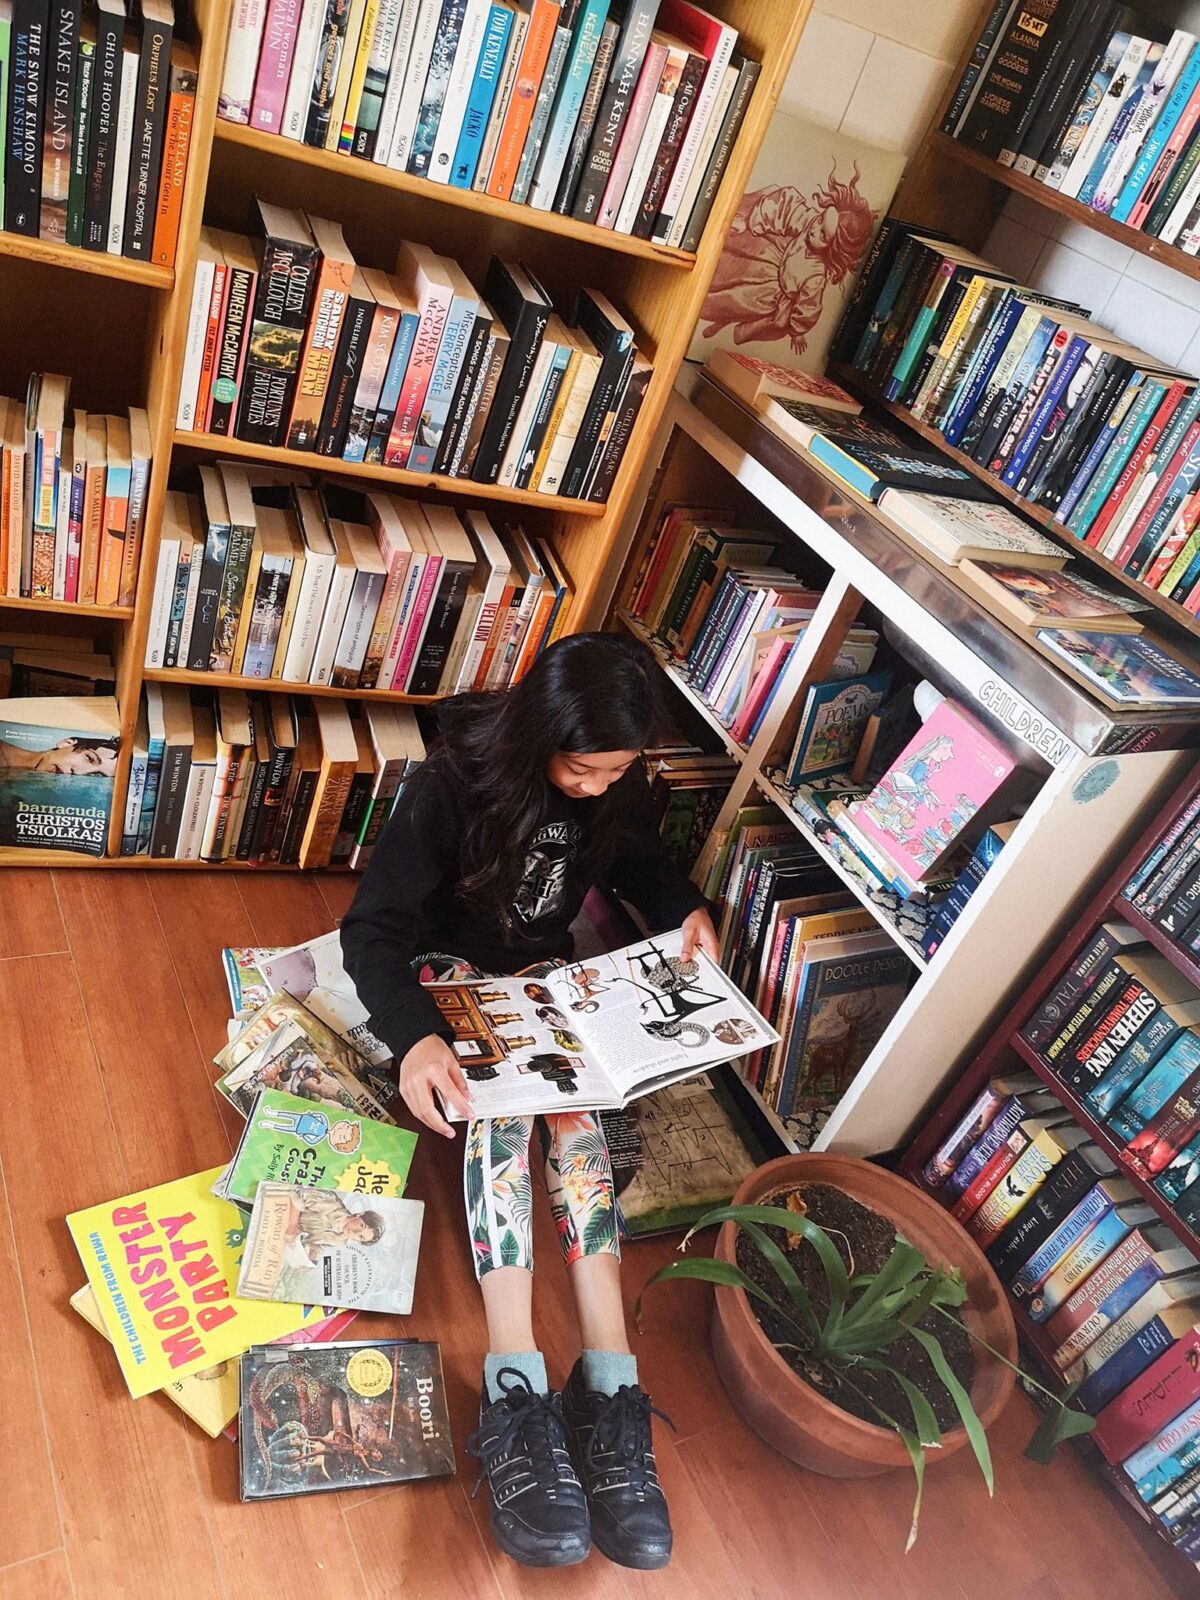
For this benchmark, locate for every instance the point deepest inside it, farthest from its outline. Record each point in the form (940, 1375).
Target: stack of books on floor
(73, 489)
(264, 577)
(264, 780)
(1077, 422)
(1165, 889)
(1096, 101)
(1108, 1292)
(292, 344)
(574, 106)
(96, 111)
(788, 927)
(247, 1339)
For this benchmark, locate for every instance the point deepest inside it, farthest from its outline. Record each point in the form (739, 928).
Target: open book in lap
(597, 1033)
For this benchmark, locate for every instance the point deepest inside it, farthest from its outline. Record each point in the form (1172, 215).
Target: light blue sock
(606, 1371)
(531, 1363)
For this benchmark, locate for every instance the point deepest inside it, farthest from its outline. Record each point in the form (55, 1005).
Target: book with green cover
(288, 1139)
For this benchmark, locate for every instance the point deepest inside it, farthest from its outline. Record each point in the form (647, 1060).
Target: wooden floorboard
(45, 1578)
(108, 1058)
(30, 923)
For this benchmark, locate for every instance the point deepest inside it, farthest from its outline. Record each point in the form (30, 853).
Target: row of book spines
(1165, 888)
(355, 607)
(98, 129)
(432, 90)
(1117, 466)
(1112, 120)
(439, 386)
(295, 783)
(72, 506)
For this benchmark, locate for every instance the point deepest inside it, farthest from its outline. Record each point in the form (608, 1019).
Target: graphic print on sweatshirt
(544, 880)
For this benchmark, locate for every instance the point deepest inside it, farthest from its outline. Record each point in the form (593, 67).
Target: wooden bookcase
(1098, 773)
(118, 328)
(1006, 1050)
(952, 189)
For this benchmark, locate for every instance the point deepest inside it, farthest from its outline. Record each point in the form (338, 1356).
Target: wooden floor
(112, 1001)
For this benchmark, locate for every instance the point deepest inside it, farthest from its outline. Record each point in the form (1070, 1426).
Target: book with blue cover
(870, 469)
(832, 724)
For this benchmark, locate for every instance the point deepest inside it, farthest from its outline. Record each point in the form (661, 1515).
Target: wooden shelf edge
(95, 263)
(1132, 238)
(1111, 1146)
(66, 608)
(355, 167)
(1168, 608)
(1178, 957)
(69, 859)
(435, 483)
(232, 680)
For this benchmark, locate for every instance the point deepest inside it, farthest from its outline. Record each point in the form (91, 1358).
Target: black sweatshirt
(407, 903)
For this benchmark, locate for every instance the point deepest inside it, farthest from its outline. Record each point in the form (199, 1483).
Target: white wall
(1145, 302)
(876, 68)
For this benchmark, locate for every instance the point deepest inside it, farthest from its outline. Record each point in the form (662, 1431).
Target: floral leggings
(498, 1179)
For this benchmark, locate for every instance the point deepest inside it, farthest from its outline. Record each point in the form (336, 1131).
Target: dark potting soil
(864, 1240)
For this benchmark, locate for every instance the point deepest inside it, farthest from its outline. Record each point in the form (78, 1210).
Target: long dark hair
(588, 694)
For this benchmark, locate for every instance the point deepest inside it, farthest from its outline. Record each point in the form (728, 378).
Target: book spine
(443, 378)
(614, 108)
(319, 116)
(241, 60)
(389, 397)
(180, 593)
(177, 142)
(1151, 1402)
(462, 462)
(28, 55)
(80, 126)
(985, 46)
(510, 391)
(231, 351)
(696, 211)
(469, 376)
(555, 63)
(568, 107)
(437, 83)
(165, 583)
(535, 53)
(1091, 1210)
(370, 385)
(418, 621)
(1009, 81)
(281, 308)
(446, 610)
(62, 57)
(672, 217)
(280, 33)
(599, 486)
(154, 76)
(662, 164)
(412, 90)
(481, 97)
(345, 376)
(589, 111)
(1105, 1297)
(625, 154)
(307, 45)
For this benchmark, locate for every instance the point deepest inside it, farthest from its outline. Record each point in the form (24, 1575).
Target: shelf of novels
(266, 151)
(1176, 614)
(714, 451)
(411, 483)
(1187, 964)
(942, 148)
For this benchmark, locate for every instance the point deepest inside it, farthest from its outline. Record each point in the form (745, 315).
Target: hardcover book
(1123, 670)
(1032, 598)
(344, 1416)
(319, 1246)
(832, 724)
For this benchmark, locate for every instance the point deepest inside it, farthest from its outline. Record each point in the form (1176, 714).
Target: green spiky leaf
(705, 1270)
(962, 1404)
(1058, 1423)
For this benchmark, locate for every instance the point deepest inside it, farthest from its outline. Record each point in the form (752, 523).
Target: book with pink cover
(947, 772)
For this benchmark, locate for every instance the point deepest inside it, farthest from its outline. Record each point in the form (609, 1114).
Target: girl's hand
(699, 933)
(428, 1067)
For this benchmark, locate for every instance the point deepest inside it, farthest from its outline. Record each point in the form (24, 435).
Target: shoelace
(622, 1429)
(535, 1420)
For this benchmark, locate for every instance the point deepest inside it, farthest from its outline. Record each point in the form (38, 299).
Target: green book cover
(291, 1140)
(1137, 420)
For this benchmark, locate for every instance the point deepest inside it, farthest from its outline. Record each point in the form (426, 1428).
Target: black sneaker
(615, 1455)
(539, 1513)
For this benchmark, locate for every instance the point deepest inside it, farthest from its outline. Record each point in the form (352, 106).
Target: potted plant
(856, 1326)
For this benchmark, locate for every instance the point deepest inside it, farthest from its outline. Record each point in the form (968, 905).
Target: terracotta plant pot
(779, 1405)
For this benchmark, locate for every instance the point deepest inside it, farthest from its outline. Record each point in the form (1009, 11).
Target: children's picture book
(832, 724)
(290, 1059)
(677, 1153)
(163, 1264)
(358, 1251)
(1126, 671)
(248, 989)
(210, 1397)
(1029, 597)
(58, 758)
(313, 972)
(259, 1027)
(347, 1416)
(916, 813)
(597, 1033)
(290, 1140)
(957, 530)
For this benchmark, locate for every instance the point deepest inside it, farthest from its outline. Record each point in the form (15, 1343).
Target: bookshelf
(954, 190)
(1101, 772)
(1004, 1048)
(118, 328)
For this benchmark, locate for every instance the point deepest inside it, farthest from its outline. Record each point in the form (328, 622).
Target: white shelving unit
(1101, 771)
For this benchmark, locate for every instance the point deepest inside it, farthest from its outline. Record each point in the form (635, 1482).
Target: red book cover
(416, 626)
(212, 339)
(648, 82)
(1098, 531)
(1164, 1136)
(1151, 1401)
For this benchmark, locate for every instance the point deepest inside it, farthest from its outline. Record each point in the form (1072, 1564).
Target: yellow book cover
(164, 1266)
